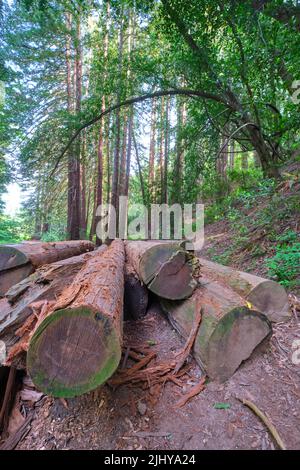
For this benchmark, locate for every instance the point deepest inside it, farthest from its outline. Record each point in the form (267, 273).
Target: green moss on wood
(57, 388)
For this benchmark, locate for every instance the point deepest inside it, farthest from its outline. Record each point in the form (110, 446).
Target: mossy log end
(19, 261)
(265, 295)
(77, 346)
(165, 268)
(229, 330)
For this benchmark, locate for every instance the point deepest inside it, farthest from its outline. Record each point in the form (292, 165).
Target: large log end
(11, 257)
(234, 340)
(10, 277)
(73, 351)
(168, 271)
(221, 344)
(271, 298)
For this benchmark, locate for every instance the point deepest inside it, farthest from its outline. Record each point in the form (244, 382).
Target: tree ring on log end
(234, 339)
(271, 298)
(167, 272)
(73, 351)
(11, 257)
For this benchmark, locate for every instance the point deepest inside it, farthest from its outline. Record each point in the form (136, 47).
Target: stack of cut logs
(62, 307)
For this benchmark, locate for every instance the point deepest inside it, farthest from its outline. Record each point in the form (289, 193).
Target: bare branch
(138, 99)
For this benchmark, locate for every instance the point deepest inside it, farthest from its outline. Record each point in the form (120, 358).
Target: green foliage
(54, 235)
(289, 236)
(237, 49)
(284, 266)
(244, 192)
(223, 258)
(12, 230)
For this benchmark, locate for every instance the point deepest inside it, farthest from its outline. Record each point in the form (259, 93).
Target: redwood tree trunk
(115, 178)
(166, 160)
(139, 169)
(73, 223)
(152, 151)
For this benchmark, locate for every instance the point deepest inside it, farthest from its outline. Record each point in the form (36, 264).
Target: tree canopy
(162, 100)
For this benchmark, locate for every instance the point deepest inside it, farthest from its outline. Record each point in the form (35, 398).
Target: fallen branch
(137, 99)
(192, 393)
(266, 421)
(163, 372)
(186, 351)
(12, 442)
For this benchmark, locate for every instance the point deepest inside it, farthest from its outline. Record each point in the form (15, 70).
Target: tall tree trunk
(37, 221)
(88, 205)
(108, 171)
(123, 157)
(84, 213)
(78, 66)
(256, 160)
(244, 161)
(162, 148)
(99, 180)
(166, 160)
(71, 159)
(179, 161)
(231, 157)
(74, 154)
(93, 223)
(128, 155)
(131, 33)
(152, 151)
(83, 189)
(139, 169)
(115, 177)
(222, 158)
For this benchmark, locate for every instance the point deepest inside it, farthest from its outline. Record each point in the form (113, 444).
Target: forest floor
(130, 417)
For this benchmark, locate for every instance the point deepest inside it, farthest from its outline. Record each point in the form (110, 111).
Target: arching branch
(138, 99)
(235, 132)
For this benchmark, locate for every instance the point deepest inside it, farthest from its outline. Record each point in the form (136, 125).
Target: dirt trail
(130, 418)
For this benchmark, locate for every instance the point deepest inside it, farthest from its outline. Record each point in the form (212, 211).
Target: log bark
(77, 345)
(135, 295)
(19, 261)
(24, 299)
(165, 268)
(229, 330)
(264, 295)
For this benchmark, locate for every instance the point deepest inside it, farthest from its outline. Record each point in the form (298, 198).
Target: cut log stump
(265, 295)
(23, 299)
(165, 268)
(229, 330)
(77, 346)
(19, 261)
